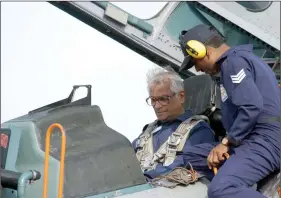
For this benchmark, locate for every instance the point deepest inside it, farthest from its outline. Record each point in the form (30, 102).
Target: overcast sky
(44, 52)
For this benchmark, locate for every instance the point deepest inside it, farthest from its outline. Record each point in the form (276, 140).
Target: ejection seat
(202, 97)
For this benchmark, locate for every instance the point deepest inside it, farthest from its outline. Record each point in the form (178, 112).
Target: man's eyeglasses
(163, 100)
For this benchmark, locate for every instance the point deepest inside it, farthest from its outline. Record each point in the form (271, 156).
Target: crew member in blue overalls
(250, 104)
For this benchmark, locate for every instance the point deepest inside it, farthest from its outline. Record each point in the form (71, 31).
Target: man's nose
(157, 105)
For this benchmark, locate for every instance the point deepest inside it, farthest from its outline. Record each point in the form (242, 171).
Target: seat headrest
(200, 93)
(202, 96)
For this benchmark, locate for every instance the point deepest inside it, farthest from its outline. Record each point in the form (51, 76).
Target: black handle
(9, 179)
(36, 175)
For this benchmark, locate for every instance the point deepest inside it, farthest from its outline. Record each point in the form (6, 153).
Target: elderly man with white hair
(161, 145)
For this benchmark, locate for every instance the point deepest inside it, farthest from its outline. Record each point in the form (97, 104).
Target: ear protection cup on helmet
(196, 49)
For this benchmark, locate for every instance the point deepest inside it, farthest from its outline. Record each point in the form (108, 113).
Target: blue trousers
(252, 161)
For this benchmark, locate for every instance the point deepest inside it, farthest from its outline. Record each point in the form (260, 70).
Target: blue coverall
(250, 112)
(201, 133)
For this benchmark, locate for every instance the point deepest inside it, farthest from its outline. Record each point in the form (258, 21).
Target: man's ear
(208, 52)
(181, 95)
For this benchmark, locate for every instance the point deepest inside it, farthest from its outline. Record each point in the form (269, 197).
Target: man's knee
(220, 187)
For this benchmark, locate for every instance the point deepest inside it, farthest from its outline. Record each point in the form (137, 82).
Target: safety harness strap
(144, 144)
(177, 140)
(166, 154)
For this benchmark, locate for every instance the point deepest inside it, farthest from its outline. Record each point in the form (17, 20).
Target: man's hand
(217, 155)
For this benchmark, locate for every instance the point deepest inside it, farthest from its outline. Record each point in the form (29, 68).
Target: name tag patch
(223, 93)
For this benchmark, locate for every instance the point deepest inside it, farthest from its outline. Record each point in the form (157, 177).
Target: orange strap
(216, 169)
(46, 163)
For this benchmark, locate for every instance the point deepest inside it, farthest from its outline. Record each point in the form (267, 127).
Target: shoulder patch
(224, 95)
(238, 77)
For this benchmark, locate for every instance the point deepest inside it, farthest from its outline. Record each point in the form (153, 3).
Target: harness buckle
(171, 151)
(146, 162)
(158, 157)
(174, 140)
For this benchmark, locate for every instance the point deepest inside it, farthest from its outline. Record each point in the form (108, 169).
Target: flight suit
(250, 104)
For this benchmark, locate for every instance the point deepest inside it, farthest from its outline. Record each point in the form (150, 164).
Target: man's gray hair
(160, 75)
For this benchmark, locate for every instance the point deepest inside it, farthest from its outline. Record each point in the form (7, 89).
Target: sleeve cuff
(232, 141)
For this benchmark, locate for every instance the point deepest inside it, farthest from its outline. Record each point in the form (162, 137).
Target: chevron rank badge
(238, 77)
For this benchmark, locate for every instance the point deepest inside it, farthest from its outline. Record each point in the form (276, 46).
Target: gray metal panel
(24, 154)
(98, 157)
(13, 149)
(160, 50)
(264, 25)
(128, 35)
(258, 19)
(197, 190)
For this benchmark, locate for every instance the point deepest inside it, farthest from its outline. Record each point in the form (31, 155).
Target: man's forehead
(161, 86)
(160, 89)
